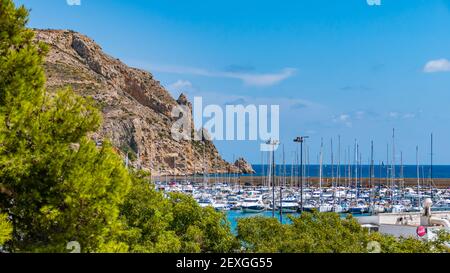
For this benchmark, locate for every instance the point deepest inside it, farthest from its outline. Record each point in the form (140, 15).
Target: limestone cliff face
(136, 108)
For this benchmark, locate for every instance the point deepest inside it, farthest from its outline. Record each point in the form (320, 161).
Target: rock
(182, 100)
(136, 108)
(243, 166)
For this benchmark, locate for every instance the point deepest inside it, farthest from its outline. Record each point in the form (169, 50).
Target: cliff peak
(136, 108)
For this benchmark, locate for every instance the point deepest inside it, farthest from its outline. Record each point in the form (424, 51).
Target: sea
(380, 171)
(234, 215)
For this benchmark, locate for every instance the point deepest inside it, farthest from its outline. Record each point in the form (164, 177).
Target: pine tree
(56, 185)
(5, 229)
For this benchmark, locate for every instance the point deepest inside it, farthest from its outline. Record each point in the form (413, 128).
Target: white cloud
(394, 114)
(344, 119)
(263, 79)
(409, 115)
(252, 79)
(441, 65)
(398, 115)
(180, 84)
(360, 115)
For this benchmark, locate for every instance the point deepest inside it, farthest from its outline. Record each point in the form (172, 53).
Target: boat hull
(253, 209)
(356, 210)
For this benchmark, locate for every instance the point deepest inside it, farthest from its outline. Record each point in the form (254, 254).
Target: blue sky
(334, 67)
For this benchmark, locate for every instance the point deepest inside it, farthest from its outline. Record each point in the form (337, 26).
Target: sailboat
(322, 207)
(288, 205)
(358, 206)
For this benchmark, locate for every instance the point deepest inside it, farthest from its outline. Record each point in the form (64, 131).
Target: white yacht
(325, 208)
(205, 202)
(288, 205)
(253, 205)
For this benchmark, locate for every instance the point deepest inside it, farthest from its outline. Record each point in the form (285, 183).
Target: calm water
(409, 171)
(234, 216)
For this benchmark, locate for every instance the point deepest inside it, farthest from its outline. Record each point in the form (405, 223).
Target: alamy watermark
(74, 247)
(374, 2)
(73, 2)
(235, 122)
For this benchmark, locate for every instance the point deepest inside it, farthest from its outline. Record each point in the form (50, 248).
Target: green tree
(57, 185)
(148, 215)
(326, 233)
(201, 229)
(175, 223)
(5, 229)
(261, 234)
(309, 233)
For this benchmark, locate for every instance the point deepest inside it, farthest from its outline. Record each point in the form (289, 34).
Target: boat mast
(281, 188)
(356, 167)
(273, 143)
(431, 167)
(273, 177)
(393, 163)
(371, 175)
(320, 172)
(388, 186)
(339, 169)
(308, 182)
(402, 181)
(292, 172)
(332, 164)
(379, 180)
(333, 182)
(284, 168)
(360, 185)
(339, 162)
(349, 161)
(418, 175)
(204, 167)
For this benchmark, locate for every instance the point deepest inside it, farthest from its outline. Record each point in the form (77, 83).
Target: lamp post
(300, 140)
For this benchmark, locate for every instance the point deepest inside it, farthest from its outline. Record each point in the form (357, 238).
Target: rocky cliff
(136, 108)
(243, 166)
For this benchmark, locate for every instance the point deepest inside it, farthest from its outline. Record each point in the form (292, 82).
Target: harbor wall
(311, 181)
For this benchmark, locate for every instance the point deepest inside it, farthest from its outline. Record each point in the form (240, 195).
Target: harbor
(388, 198)
(336, 198)
(396, 210)
(344, 187)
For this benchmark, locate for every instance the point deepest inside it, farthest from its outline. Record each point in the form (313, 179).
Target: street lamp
(300, 140)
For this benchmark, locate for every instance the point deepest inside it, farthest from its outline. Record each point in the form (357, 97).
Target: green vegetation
(172, 224)
(57, 186)
(5, 229)
(325, 233)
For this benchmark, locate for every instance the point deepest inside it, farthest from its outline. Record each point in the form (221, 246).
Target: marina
(382, 197)
(345, 187)
(395, 211)
(340, 199)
